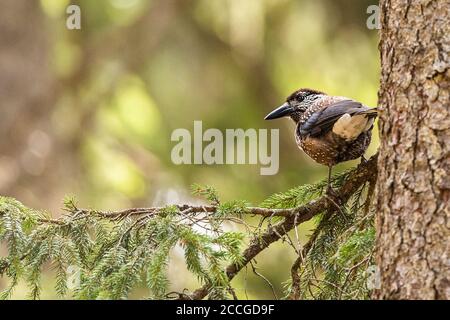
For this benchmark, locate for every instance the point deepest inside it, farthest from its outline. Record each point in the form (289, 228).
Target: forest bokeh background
(90, 112)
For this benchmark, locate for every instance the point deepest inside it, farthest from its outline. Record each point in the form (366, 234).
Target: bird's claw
(330, 192)
(335, 200)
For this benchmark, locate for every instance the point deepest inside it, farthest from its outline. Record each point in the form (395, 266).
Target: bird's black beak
(279, 112)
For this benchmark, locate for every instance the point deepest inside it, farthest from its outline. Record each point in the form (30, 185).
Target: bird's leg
(330, 190)
(332, 195)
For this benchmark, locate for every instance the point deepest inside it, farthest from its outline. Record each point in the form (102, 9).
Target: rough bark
(414, 164)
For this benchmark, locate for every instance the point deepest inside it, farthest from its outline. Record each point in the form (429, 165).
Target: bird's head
(297, 103)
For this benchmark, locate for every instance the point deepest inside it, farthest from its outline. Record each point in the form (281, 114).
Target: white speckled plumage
(330, 129)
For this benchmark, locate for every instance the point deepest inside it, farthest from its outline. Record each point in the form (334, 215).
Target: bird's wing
(322, 121)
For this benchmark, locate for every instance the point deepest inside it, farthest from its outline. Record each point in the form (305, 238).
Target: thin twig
(255, 271)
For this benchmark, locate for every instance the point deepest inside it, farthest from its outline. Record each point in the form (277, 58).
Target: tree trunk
(414, 164)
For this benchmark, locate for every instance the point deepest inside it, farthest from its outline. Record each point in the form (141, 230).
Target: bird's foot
(336, 200)
(333, 196)
(331, 192)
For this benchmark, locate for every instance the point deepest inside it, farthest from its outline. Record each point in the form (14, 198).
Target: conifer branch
(366, 171)
(295, 287)
(114, 247)
(188, 209)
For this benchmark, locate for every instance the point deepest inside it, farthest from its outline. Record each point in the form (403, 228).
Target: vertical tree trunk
(414, 165)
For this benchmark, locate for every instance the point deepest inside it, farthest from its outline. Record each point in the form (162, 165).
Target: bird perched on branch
(330, 129)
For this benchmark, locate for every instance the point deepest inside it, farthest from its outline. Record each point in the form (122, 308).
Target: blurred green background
(90, 112)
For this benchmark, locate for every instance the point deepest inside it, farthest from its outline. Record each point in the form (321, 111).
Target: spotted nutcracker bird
(329, 129)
